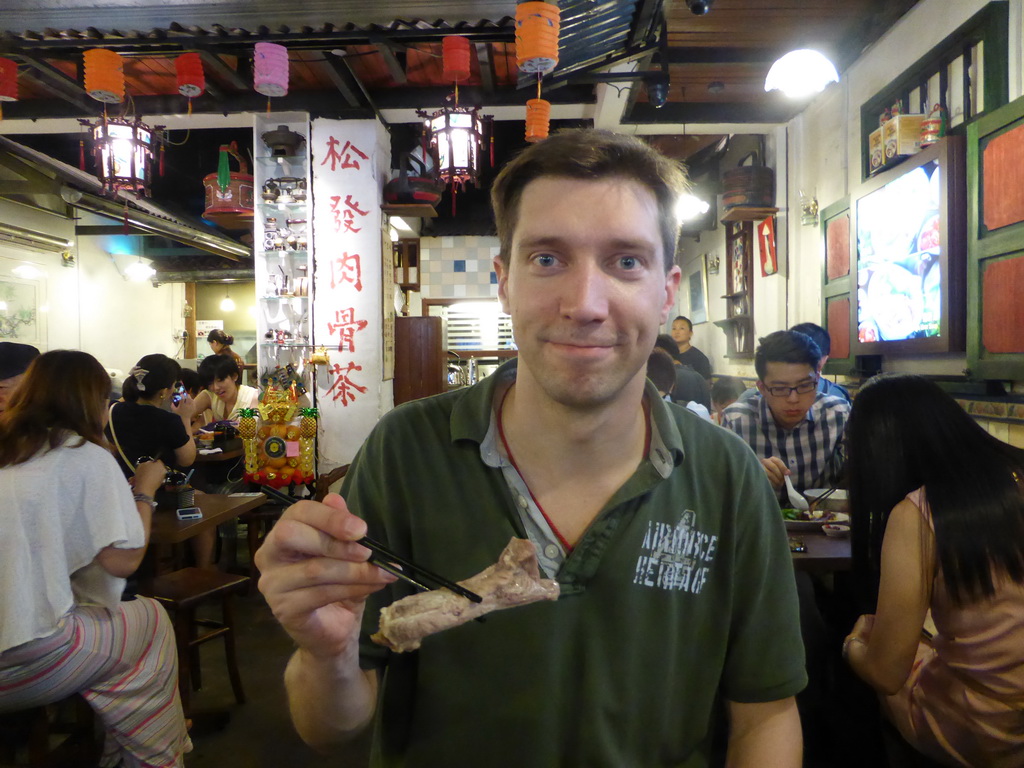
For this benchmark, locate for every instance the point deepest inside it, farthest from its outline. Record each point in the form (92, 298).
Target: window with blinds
(475, 325)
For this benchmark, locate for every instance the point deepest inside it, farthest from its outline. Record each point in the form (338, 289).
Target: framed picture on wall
(23, 310)
(698, 286)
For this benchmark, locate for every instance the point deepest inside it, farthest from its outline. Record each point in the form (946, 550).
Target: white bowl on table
(836, 530)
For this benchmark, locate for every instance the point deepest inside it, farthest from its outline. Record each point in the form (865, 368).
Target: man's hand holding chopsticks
(315, 576)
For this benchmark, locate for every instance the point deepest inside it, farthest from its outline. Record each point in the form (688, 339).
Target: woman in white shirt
(223, 394)
(73, 530)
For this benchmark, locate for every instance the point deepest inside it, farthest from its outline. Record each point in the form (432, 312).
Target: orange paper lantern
(191, 80)
(537, 37)
(455, 58)
(538, 119)
(8, 80)
(104, 75)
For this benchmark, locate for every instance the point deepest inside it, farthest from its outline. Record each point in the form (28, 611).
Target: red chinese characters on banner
(345, 328)
(342, 157)
(347, 268)
(344, 217)
(344, 388)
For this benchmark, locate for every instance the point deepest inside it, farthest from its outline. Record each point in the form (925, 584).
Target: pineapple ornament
(307, 441)
(247, 431)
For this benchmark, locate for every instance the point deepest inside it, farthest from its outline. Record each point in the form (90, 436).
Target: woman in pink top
(937, 504)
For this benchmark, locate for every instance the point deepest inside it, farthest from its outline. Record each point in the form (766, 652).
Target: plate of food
(802, 520)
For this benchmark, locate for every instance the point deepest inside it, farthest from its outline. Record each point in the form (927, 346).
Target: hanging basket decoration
(229, 194)
(104, 75)
(455, 58)
(537, 37)
(270, 69)
(191, 80)
(538, 119)
(8, 80)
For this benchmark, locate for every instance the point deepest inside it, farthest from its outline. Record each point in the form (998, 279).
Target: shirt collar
(473, 419)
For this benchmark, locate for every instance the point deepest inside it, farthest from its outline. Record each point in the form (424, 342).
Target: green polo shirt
(681, 591)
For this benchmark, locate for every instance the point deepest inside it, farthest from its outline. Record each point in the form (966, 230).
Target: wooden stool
(182, 592)
(57, 734)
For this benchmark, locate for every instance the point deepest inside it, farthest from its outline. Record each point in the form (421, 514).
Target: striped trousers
(125, 665)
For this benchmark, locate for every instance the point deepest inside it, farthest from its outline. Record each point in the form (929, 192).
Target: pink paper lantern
(270, 69)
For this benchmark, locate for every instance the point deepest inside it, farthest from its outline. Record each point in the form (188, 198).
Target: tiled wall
(458, 267)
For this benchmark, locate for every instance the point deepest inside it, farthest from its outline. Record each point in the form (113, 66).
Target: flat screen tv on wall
(910, 255)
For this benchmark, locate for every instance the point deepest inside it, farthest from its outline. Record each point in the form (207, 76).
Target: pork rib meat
(513, 580)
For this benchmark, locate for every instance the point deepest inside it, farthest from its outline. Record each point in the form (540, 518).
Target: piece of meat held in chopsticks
(513, 580)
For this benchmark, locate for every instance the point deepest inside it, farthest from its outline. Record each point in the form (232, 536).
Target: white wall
(90, 306)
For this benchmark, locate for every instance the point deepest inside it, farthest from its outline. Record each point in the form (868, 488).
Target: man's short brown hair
(592, 155)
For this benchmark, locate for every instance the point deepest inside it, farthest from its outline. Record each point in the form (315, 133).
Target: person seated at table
(220, 342)
(822, 338)
(224, 395)
(72, 532)
(793, 428)
(193, 385)
(724, 392)
(661, 370)
(939, 504)
(140, 426)
(690, 385)
(14, 361)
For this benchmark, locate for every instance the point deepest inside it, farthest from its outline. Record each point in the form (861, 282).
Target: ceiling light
(699, 7)
(657, 89)
(138, 271)
(27, 272)
(800, 73)
(689, 207)
(227, 304)
(123, 149)
(716, 86)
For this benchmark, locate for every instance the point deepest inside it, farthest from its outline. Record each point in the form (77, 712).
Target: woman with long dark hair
(72, 532)
(938, 508)
(155, 418)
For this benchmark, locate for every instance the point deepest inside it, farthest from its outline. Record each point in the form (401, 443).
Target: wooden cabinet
(420, 360)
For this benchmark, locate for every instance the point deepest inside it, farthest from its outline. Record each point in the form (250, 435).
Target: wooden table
(825, 554)
(230, 449)
(217, 508)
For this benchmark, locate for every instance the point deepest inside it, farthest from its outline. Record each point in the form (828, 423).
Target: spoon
(796, 499)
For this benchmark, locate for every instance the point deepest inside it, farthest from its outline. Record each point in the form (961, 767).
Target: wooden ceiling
(390, 61)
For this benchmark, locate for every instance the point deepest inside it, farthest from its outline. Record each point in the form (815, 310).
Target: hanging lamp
(800, 73)
(270, 70)
(455, 58)
(104, 75)
(123, 149)
(8, 82)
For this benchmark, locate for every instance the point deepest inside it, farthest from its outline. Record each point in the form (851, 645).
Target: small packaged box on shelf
(876, 151)
(901, 137)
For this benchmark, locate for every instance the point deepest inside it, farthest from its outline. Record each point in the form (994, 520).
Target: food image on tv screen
(899, 277)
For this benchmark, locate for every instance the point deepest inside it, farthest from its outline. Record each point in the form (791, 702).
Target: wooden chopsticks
(817, 499)
(409, 572)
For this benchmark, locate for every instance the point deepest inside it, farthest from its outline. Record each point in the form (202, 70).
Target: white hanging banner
(347, 184)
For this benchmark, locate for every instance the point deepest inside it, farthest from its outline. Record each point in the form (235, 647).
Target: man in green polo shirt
(677, 593)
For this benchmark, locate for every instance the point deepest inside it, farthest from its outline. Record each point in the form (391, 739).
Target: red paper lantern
(8, 80)
(455, 58)
(104, 75)
(191, 80)
(537, 26)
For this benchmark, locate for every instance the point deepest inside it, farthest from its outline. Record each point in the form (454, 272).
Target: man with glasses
(793, 428)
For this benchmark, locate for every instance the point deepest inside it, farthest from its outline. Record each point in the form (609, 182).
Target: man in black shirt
(682, 332)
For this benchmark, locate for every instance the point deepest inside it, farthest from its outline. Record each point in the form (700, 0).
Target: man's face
(788, 410)
(681, 332)
(586, 288)
(7, 389)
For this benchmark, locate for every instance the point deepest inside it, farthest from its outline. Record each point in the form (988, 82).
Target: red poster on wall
(766, 245)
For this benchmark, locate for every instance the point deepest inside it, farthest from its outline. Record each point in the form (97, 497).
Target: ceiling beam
(221, 69)
(100, 230)
(703, 112)
(57, 83)
(203, 276)
(718, 55)
(395, 68)
(483, 57)
(343, 79)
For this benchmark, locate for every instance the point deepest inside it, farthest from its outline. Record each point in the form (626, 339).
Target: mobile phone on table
(797, 545)
(189, 513)
(179, 394)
